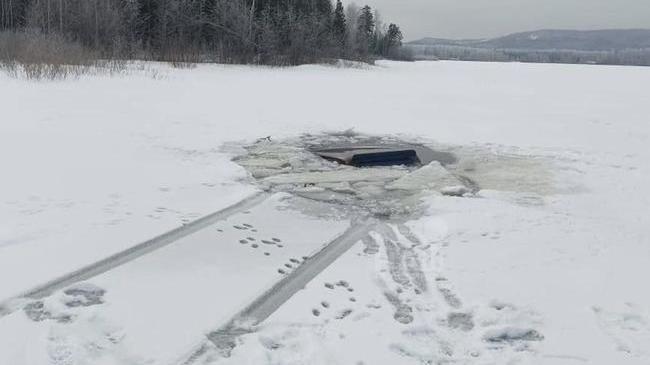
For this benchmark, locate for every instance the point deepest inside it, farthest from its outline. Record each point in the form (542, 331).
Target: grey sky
(488, 18)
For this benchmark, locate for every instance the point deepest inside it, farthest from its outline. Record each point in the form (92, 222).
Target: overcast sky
(489, 18)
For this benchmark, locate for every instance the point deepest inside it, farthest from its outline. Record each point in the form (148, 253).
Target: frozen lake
(543, 265)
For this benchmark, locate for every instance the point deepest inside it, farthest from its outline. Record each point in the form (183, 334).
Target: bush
(38, 56)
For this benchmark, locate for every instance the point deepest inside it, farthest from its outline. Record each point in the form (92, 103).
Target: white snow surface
(157, 308)
(554, 274)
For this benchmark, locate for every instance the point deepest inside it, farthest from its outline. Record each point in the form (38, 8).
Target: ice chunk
(340, 187)
(459, 190)
(268, 163)
(432, 176)
(310, 189)
(260, 173)
(366, 190)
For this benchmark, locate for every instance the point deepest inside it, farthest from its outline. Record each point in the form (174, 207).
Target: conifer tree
(149, 22)
(392, 41)
(339, 28)
(365, 32)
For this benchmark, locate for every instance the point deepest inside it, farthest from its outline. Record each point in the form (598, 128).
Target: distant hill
(590, 40)
(614, 46)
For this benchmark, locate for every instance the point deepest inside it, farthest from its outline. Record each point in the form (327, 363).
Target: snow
(179, 293)
(175, 295)
(554, 244)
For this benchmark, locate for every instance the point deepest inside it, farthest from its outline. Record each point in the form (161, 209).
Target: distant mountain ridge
(552, 39)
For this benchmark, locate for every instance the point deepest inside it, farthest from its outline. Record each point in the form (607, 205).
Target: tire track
(266, 304)
(41, 291)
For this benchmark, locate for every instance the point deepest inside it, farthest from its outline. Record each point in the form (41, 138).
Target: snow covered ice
(532, 248)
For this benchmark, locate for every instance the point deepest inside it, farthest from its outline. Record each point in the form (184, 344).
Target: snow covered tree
(365, 32)
(339, 28)
(351, 18)
(392, 41)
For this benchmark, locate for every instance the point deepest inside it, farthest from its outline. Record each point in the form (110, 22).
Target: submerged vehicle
(368, 156)
(382, 154)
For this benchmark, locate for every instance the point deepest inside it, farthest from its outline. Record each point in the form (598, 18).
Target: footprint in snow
(38, 312)
(84, 295)
(344, 313)
(510, 335)
(628, 327)
(461, 321)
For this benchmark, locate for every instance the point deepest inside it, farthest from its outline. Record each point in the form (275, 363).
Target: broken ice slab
(432, 176)
(458, 190)
(338, 187)
(369, 174)
(268, 163)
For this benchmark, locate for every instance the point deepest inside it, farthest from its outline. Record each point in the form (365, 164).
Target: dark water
(425, 155)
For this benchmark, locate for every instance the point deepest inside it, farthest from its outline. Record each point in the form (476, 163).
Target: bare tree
(352, 17)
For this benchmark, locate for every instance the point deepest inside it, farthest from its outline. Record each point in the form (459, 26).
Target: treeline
(278, 32)
(634, 57)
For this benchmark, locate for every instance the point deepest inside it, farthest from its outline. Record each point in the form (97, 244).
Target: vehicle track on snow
(272, 299)
(41, 291)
